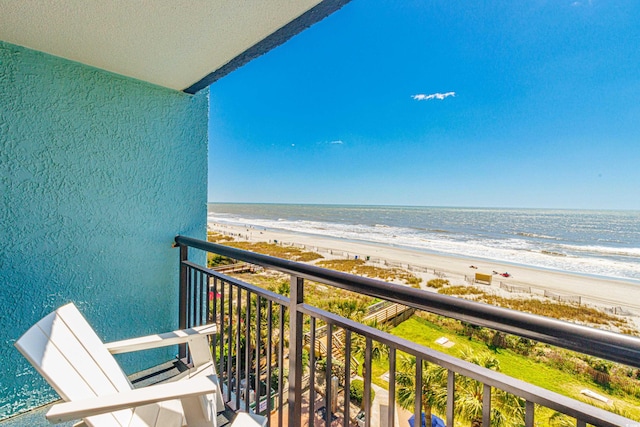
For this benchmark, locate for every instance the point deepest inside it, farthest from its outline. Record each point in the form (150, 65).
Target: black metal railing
(251, 347)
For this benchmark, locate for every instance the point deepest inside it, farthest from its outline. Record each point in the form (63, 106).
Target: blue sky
(439, 103)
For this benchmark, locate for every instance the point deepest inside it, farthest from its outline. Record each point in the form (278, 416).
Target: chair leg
(201, 356)
(249, 420)
(200, 411)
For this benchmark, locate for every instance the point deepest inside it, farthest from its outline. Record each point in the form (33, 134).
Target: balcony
(271, 345)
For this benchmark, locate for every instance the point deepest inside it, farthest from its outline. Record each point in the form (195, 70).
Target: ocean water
(601, 243)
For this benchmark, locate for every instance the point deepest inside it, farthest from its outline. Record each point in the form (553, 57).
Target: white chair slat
(170, 414)
(52, 364)
(80, 359)
(88, 369)
(55, 368)
(207, 370)
(94, 346)
(104, 420)
(144, 416)
(164, 414)
(200, 351)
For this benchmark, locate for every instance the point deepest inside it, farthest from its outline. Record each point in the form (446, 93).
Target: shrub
(337, 369)
(212, 236)
(272, 249)
(521, 345)
(284, 288)
(356, 392)
(359, 267)
(563, 311)
(275, 376)
(498, 341)
(461, 290)
(470, 330)
(214, 260)
(437, 283)
(600, 365)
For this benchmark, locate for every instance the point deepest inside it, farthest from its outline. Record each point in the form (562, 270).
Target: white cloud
(331, 142)
(438, 95)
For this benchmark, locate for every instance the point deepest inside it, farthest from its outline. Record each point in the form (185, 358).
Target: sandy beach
(611, 294)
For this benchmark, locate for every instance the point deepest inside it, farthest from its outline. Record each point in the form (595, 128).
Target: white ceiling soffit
(179, 44)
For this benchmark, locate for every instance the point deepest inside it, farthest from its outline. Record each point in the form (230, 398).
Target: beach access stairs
(338, 348)
(378, 313)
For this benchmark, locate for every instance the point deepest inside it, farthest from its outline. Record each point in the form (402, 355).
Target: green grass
(423, 332)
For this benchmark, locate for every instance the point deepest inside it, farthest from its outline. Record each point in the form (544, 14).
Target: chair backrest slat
(36, 346)
(66, 351)
(94, 347)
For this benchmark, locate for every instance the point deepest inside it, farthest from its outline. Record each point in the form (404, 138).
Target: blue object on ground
(435, 421)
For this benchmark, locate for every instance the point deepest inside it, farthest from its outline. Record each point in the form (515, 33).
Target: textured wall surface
(98, 173)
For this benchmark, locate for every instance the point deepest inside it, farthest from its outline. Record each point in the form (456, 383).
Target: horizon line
(424, 206)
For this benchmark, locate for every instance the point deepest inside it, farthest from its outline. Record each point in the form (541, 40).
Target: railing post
(392, 387)
(296, 296)
(486, 405)
(451, 396)
(417, 404)
(367, 381)
(182, 298)
(529, 414)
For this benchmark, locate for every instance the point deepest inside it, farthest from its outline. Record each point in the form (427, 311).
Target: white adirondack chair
(66, 351)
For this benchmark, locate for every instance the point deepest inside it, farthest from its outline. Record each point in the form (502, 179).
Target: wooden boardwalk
(383, 313)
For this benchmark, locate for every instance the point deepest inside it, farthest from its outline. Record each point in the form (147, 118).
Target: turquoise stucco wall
(98, 173)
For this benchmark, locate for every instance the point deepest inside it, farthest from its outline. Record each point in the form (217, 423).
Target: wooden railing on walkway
(387, 313)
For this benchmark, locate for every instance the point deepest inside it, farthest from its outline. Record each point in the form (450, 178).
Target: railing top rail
(596, 342)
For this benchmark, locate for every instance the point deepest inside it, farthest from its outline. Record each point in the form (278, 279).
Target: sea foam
(585, 242)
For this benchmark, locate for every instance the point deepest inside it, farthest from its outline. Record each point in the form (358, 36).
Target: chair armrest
(69, 411)
(160, 340)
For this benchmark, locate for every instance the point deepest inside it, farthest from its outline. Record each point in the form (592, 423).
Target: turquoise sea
(602, 243)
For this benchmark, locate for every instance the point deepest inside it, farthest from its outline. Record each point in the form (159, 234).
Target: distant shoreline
(505, 208)
(605, 293)
(466, 258)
